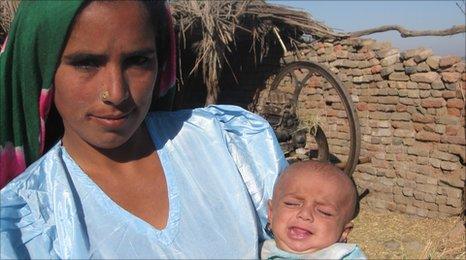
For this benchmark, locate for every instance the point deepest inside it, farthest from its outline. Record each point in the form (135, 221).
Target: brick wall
(411, 112)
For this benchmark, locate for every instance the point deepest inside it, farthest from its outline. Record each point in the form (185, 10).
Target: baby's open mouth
(298, 233)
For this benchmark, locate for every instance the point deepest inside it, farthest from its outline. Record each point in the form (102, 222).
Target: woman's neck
(123, 159)
(131, 175)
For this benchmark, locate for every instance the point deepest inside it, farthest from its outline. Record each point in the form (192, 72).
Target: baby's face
(310, 211)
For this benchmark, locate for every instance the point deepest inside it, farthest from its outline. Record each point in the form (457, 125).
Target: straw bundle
(210, 29)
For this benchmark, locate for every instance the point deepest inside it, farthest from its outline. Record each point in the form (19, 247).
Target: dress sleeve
(21, 232)
(256, 152)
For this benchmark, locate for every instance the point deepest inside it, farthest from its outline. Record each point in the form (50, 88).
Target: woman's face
(111, 49)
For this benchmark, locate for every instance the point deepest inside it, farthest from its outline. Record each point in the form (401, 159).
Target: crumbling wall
(412, 116)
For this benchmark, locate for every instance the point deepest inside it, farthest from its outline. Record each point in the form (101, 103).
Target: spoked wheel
(311, 110)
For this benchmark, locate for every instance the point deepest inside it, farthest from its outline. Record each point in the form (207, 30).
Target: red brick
(418, 127)
(381, 163)
(369, 55)
(318, 45)
(427, 77)
(429, 127)
(402, 125)
(454, 111)
(372, 107)
(362, 106)
(448, 120)
(376, 69)
(453, 139)
(403, 133)
(452, 130)
(448, 61)
(432, 102)
(403, 116)
(427, 136)
(450, 77)
(418, 117)
(459, 67)
(409, 63)
(457, 150)
(456, 103)
(388, 100)
(450, 211)
(401, 108)
(448, 94)
(338, 47)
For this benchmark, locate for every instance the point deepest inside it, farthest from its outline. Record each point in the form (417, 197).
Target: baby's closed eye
(325, 212)
(292, 203)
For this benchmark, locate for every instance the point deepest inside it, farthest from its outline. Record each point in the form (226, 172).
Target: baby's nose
(305, 213)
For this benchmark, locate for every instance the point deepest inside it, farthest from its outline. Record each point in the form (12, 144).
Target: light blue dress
(220, 165)
(342, 251)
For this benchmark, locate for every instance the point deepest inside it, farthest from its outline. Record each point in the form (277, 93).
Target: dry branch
(408, 33)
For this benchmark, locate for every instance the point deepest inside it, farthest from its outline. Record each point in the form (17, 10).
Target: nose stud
(104, 95)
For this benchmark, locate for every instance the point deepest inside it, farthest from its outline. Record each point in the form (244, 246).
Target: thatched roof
(212, 27)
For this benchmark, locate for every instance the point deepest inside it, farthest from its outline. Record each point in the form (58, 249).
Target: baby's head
(312, 207)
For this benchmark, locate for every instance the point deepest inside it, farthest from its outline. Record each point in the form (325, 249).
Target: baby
(311, 213)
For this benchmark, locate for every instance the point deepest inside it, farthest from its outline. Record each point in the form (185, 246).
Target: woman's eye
(86, 64)
(142, 61)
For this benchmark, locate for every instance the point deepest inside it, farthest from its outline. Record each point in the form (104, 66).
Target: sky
(348, 16)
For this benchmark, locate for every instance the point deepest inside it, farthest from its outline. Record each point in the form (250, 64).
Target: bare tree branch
(407, 33)
(462, 8)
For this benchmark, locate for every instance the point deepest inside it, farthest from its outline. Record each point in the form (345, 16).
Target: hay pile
(393, 235)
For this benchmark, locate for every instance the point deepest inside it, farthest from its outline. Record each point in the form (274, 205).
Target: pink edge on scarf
(168, 76)
(4, 45)
(12, 163)
(45, 101)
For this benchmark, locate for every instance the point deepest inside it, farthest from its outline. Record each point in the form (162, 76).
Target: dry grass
(7, 10)
(397, 236)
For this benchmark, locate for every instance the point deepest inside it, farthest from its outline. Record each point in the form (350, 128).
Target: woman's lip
(111, 117)
(298, 233)
(111, 121)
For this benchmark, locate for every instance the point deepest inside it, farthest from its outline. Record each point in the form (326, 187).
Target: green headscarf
(27, 69)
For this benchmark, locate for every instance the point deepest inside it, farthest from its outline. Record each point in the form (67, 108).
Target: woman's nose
(305, 213)
(116, 85)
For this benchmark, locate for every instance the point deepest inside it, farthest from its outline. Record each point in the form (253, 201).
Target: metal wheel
(307, 101)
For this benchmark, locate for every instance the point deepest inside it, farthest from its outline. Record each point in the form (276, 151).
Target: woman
(122, 183)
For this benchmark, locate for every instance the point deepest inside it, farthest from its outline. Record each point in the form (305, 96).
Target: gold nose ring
(104, 95)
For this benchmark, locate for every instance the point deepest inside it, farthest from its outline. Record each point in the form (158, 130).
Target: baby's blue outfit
(336, 251)
(220, 164)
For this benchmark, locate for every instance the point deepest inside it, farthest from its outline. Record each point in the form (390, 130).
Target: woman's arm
(256, 152)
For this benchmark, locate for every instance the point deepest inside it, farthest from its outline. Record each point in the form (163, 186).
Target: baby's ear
(269, 211)
(346, 230)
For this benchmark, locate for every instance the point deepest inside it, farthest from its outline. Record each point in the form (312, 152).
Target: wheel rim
(300, 73)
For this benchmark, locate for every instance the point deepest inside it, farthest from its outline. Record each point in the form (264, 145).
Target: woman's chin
(110, 143)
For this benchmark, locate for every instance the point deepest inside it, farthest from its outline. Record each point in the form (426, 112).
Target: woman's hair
(158, 18)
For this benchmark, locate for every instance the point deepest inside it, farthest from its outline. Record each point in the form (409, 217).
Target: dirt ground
(392, 235)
